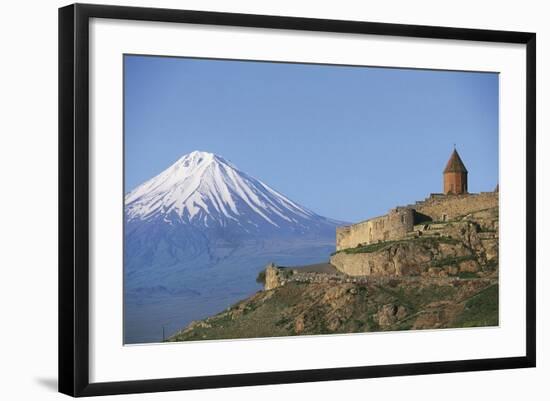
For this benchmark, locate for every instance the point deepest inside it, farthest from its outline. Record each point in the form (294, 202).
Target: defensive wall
(391, 226)
(401, 220)
(439, 207)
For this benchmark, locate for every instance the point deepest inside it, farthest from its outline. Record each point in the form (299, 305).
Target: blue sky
(346, 142)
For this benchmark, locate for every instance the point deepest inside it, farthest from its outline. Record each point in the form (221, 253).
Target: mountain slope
(208, 192)
(337, 307)
(202, 208)
(197, 234)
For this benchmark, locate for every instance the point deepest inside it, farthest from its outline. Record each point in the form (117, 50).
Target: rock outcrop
(467, 245)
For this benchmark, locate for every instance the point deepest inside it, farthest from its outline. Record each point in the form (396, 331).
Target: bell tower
(455, 176)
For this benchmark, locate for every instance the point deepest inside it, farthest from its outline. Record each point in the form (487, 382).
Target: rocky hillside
(465, 246)
(443, 275)
(347, 307)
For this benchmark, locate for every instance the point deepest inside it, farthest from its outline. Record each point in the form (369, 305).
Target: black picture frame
(74, 198)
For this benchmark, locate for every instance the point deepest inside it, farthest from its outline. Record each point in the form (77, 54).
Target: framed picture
(250, 199)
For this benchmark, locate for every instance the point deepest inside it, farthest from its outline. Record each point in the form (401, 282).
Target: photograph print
(270, 199)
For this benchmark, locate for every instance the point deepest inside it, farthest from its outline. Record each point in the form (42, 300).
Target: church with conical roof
(404, 221)
(455, 176)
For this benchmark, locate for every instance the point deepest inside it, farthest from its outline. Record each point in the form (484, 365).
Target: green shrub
(451, 261)
(377, 246)
(481, 309)
(467, 275)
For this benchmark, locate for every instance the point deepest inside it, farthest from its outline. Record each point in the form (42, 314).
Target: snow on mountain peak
(202, 188)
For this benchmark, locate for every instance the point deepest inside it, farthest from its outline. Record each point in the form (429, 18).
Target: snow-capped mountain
(205, 191)
(196, 236)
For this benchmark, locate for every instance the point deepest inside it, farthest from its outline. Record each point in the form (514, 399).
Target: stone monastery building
(455, 176)
(455, 201)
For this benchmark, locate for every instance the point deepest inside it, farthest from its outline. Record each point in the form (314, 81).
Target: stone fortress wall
(276, 277)
(391, 226)
(401, 220)
(439, 207)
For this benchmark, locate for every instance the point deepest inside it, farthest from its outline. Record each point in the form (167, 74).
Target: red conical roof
(455, 164)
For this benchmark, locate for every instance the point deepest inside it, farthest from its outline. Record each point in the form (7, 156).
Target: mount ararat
(197, 234)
